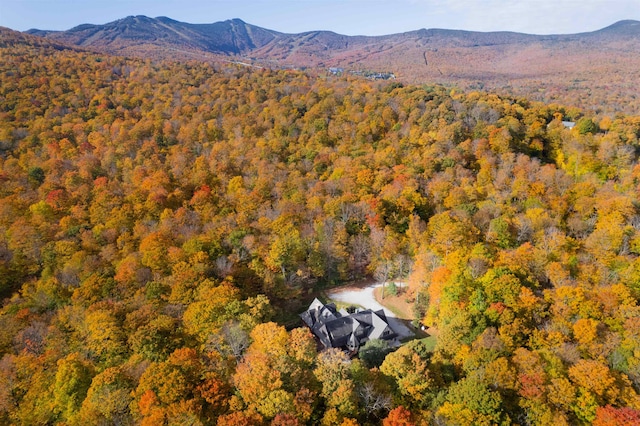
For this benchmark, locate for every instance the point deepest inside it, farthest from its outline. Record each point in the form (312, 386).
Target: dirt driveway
(363, 296)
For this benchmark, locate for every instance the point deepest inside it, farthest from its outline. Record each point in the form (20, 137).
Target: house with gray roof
(341, 329)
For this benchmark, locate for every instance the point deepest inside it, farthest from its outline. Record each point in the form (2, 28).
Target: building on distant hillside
(340, 329)
(569, 124)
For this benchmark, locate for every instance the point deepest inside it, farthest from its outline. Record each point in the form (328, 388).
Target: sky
(350, 17)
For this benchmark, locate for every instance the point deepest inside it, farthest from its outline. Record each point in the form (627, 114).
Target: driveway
(364, 297)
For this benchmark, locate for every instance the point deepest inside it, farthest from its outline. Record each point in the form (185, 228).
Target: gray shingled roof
(342, 330)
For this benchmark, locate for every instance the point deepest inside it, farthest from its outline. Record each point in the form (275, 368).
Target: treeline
(160, 222)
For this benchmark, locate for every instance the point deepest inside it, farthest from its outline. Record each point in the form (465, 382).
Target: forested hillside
(596, 71)
(161, 223)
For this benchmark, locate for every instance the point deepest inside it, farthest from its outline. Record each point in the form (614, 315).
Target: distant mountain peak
(625, 23)
(133, 19)
(626, 27)
(165, 37)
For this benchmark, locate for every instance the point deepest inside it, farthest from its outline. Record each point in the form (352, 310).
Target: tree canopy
(161, 223)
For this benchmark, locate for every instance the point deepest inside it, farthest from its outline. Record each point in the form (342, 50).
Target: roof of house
(336, 329)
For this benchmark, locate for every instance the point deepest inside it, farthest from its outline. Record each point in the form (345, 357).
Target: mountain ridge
(568, 68)
(228, 37)
(624, 23)
(247, 37)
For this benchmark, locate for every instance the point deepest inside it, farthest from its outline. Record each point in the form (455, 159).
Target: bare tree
(382, 273)
(233, 340)
(224, 265)
(360, 249)
(403, 265)
(374, 401)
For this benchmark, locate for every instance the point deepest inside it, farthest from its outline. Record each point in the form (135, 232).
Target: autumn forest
(162, 225)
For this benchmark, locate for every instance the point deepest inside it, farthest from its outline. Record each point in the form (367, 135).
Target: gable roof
(319, 312)
(339, 329)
